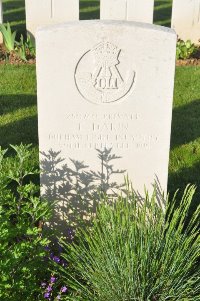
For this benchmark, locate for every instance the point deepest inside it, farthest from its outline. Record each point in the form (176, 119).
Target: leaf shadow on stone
(75, 187)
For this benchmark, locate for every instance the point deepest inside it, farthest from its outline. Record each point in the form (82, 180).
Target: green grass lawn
(18, 110)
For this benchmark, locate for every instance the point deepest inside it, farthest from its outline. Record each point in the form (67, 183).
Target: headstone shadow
(163, 12)
(179, 180)
(14, 11)
(18, 120)
(185, 124)
(92, 13)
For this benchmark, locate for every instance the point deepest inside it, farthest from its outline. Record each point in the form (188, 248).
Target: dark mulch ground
(193, 61)
(13, 58)
(188, 62)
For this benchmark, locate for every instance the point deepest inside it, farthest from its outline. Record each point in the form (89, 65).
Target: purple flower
(58, 297)
(53, 279)
(56, 259)
(64, 289)
(47, 248)
(49, 288)
(47, 295)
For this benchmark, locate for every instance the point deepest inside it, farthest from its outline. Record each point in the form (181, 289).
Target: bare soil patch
(193, 61)
(188, 62)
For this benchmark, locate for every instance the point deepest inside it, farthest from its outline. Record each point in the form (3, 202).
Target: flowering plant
(22, 240)
(52, 288)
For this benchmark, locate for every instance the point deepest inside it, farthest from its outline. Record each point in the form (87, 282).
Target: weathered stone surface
(186, 19)
(128, 10)
(46, 12)
(105, 107)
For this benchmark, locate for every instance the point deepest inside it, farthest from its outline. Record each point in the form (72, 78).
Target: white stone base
(46, 12)
(186, 19)
(128, 10)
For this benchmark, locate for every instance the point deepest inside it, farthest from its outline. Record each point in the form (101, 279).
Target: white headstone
(46, 12)
(105, 105)
(129, 10)
(186, 19)
(1, 20)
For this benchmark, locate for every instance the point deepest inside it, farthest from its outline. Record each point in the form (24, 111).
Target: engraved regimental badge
(101, 76)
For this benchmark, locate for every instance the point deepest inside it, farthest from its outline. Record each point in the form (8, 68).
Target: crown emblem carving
(106, 53)
(106, 76)
(104, 83)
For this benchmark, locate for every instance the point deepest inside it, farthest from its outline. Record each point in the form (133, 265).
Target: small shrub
(136, 251)
(22, 241)
(52, 288)
(24, 49)
(8, 37)
(185, 50)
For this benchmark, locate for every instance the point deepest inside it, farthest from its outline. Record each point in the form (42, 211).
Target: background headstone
(105, 108)
(186, 19)
(129, 10)
(1, 20)
(45, 12)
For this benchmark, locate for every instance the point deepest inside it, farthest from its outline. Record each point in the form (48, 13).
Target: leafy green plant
(25, 48)
(136, 251)
(185, 50)
(22, 240)
(30, 45)
(8, 37)
(21, 49)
